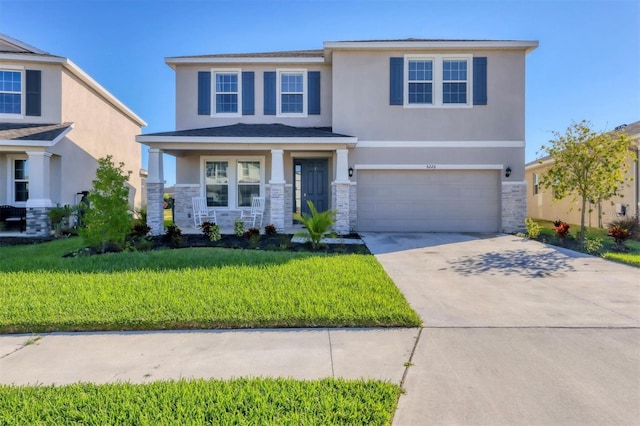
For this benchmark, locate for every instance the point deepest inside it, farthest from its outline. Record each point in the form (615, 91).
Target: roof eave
(526, 45)
(173, 61)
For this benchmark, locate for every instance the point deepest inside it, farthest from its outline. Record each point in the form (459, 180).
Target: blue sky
(586, 67)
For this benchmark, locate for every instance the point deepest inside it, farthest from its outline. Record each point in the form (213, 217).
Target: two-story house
(396, 135)
(55, 122)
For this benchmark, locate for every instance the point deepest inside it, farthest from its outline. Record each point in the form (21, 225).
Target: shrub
(593, 245)
(173, 235)
(270, 230)
(107, 220)
(251, 232)
(238, 227)
(317, 223)
(59, 216)
(630, 223)
(562, 229)
(533, 228)
(139, 230)
(620, 235)
(211, 230)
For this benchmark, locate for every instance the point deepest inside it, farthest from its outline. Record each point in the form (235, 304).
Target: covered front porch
(230, 165)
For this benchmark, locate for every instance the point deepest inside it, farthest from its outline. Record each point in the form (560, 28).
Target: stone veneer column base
(342, 202)
(155, 208)
(514, 206)
(183, 206)
(38, 223)
(277, 205)
(353, 206)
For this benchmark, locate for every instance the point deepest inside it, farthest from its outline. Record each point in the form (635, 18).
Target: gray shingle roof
(242, 130)
(31, 132)
(316, 53)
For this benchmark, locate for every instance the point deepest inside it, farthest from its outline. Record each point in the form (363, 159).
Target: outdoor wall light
(350, 171)
(507, 172)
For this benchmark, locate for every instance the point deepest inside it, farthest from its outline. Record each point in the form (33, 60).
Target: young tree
(587, 166)
(107, 220)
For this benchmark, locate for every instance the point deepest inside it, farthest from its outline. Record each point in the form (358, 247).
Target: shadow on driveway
(519, 262)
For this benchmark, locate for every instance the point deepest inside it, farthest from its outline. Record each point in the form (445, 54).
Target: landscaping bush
(211, 230)
(238, 227)
(173, 235)
(270, 230)
(316, 224)
(107, 220)
(630, 223)
(533, 228)
(562, 229)
(251, 232)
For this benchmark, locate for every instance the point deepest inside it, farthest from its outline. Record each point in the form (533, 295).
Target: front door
(311, 184)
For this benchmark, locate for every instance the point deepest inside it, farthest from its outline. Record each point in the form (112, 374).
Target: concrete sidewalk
(138, 357)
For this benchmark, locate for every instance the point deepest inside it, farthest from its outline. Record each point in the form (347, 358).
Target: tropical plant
(316, 224)
(533, 228)
(107, 221)
(59, 215)
(586, 166)
(562, 229)
(238, 227)
(173, 235)
(211, 230)
(270, 230)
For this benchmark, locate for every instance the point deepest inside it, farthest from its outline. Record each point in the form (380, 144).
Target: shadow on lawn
(514, 262)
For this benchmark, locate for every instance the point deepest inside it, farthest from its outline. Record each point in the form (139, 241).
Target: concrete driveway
(516, 332)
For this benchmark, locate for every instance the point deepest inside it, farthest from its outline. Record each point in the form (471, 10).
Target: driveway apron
(516, 332)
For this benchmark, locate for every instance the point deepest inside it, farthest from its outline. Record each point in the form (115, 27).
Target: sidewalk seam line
(409, 363)
(25, 344)
(333, 374)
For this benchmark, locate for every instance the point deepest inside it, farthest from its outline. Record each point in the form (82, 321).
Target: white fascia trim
(518, 182)
(243, 141)
(428, 166)
(243, 60)
(22, 44)
(528, 45)
(83, 76)
(36, 143)
(440, 144)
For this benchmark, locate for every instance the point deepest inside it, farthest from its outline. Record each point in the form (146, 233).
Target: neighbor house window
(227, 91)
(232, 182)
(420, 82)
(536, 184)
(10, 92)
(18, 179)
(292, 92)
(454, 82)
(437, 80)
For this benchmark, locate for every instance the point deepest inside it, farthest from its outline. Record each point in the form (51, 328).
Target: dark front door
(312, 184)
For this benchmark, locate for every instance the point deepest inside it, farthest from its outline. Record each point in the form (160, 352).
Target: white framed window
(227, 89)
(18, 180)
(11, 93)
(442, 81)
(291, 88)
(536, 184)
(232, 182)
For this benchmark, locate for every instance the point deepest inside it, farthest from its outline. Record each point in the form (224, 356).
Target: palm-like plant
(317, 223)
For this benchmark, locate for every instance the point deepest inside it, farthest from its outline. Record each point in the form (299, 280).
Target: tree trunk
(582, 227)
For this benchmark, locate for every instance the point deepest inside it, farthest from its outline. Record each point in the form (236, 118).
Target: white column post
(39, 178)
(276, 185)
(155, 192)
(342, 165)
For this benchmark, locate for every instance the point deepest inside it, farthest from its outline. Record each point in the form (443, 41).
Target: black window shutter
(396, 76)
(248, 103)
(480, 81)
(34, 93)
(204, 93)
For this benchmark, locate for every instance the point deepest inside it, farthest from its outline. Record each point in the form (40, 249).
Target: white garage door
(428, 200)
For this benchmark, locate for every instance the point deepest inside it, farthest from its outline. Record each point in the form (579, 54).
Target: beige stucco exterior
(98, 125)
(541, 205)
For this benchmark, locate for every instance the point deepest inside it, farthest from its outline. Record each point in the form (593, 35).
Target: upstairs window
(420, 82)
(292, 92)
(227, 91)
(10, 92)
(454, 82)
(536, 184)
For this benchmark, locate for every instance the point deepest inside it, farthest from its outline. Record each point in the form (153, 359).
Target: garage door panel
(428, 201)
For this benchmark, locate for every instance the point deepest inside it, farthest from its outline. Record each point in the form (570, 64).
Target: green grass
(199, 402)
(632, 257)
(193, 288)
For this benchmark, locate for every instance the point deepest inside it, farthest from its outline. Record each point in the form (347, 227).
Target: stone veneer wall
(38, 223)
(288, 205)
(514, 206)
(277, 203)
(342, 198)
(183, 207)
(155, 208)
(353, 207)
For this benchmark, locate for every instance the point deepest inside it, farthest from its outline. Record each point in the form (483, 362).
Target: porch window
(232, 182)
(18, 180)
(10, 92)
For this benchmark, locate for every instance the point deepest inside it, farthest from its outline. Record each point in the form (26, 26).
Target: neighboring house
(55, 122)
(395, 135)
(540, 203)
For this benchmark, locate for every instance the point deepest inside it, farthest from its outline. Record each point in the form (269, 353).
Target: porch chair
(257, 210)
(201, 212)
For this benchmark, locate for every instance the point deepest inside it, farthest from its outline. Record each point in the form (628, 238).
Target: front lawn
(199, 402)
(608, 250)
(193, 288)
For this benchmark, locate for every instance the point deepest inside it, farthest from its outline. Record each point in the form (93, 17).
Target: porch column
(155, 192)
(277, 184)
(39, 201)
(342, 187)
